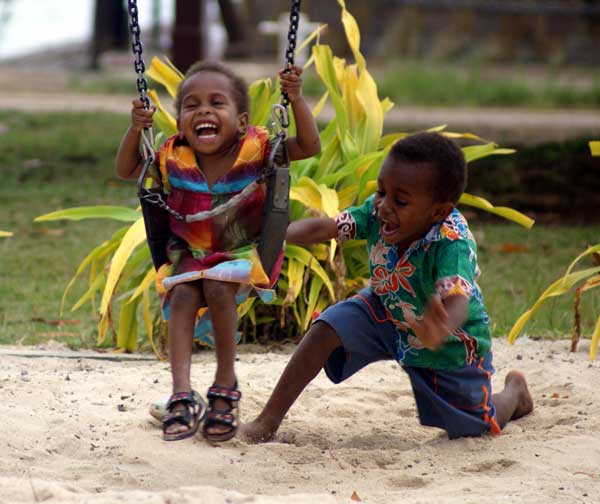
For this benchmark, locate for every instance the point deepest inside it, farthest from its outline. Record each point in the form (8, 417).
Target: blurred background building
(561, 32)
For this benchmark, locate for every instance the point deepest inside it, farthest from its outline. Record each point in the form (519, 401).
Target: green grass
(54, 161)
(433, 84)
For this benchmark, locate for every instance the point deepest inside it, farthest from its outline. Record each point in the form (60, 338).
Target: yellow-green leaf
(329, 200)
(135, 235)
(586, 252)
(245, 306)
(389, 140)
(128, 327)
(164, 120)
(474, 152)
(316, 32)
(557, 288)
(165, 74)
(295, 275)
(144, 284)
(96, 285)
(316, 285)
(595, 340)
(507, 213)
(118, 213)
(595, 147)
(320, 104)
(260, 92)
(352, 35)
(306, 258)
(4, 234)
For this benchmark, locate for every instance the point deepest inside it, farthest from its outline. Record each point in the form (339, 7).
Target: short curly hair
(445, 158)
(238, 85)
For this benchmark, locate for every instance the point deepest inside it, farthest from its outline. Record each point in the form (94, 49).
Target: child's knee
(186, 294)
(322, 334)
(219, 294)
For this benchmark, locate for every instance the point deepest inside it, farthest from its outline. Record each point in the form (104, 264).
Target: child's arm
(306, 143)
(441, 318)
(129, 158)
(312, 230)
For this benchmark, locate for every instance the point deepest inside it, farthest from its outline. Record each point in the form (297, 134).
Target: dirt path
(35, 89)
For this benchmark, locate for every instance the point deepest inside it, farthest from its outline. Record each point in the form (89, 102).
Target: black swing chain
(142, 83)
(291, 48)
(136, 46)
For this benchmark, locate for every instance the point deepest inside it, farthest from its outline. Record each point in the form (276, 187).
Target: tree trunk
(110, 29)
(187, 37)
(237, 45)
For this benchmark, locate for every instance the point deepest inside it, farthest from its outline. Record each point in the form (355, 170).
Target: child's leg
(185, 299)
(514, 401)
(222, 308)
(306, 362)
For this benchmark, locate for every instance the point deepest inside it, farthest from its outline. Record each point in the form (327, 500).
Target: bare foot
(517, 381)
(257, 431)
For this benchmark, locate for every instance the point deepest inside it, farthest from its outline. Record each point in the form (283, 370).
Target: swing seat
(276, 175)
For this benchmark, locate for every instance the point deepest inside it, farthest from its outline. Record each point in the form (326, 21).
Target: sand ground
(77, 430)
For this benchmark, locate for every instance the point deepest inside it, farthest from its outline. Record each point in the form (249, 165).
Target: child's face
(404, 202)
(209, 117)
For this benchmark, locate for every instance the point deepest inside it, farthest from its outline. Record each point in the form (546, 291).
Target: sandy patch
(77, 430)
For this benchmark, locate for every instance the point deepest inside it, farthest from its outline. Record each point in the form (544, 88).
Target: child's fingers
(437, 308)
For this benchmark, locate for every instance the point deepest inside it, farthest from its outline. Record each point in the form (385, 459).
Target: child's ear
(179, 132)
(441, 211)
(243, 119)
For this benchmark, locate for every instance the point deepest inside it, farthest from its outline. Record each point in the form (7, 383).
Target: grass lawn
(55, 161)
(434, 84)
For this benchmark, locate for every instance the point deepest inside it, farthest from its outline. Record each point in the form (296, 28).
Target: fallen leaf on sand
(355, 497)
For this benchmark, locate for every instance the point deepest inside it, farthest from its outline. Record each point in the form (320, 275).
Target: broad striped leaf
(595, 340)
(507, 213)
(134, 236)
(164, 120)
(474, 152)
(144, 284)
(557, 288)
(165, 74)
(305, 257)
(595, 147)
(316, 285)
(117, 213)
(127, 334)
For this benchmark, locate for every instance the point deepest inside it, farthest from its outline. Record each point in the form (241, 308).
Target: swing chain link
(291, 49)
(140, 69)
(157, 199)
(136, 46)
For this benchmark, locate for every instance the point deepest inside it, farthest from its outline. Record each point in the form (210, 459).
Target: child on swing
(212, 263)
(423, 307)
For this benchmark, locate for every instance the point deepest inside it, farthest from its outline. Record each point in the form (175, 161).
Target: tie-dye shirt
(444, 261)
(223, 247)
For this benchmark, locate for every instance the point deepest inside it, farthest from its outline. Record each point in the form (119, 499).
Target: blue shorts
(458, 401)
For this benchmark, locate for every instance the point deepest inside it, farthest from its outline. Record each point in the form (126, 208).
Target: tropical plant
(4, 234)
(587, 279)
(343, 174)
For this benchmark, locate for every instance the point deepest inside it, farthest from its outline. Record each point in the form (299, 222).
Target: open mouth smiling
(388, 228)
(206, 130)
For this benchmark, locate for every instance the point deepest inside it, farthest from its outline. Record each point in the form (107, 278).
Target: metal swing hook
(281, 119)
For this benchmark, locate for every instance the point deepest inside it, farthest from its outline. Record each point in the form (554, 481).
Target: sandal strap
(191, 397)
(221, 417)
(225, 393)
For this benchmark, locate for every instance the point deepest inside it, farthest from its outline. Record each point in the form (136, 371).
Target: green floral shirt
(444, 261)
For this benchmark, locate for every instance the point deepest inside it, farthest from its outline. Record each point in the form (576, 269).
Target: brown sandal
(190, 416)
(229, 417)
